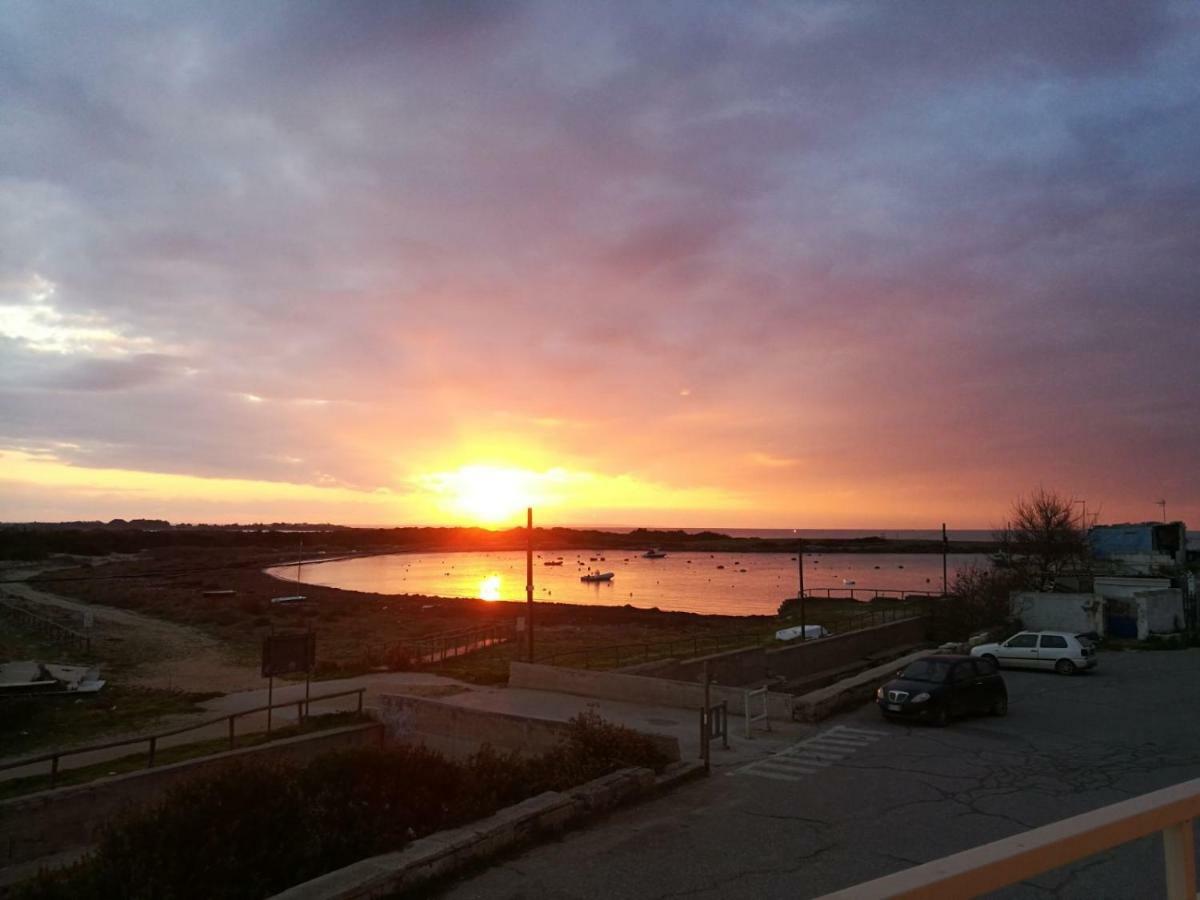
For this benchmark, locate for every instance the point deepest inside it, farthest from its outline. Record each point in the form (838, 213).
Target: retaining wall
(747, 666)
(459, 731)
(53, 821)
(820, 655)
(637, 689)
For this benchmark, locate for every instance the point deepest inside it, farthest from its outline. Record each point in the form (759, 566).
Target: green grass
(33, 722)
(165, 756)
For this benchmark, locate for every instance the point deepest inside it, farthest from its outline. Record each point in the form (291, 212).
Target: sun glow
(489, 588)
(489, 495)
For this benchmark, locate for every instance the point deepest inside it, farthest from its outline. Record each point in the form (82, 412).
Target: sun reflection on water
(489, 588)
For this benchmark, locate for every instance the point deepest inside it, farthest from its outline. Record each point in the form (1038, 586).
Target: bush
(979, 598)
(258, 829)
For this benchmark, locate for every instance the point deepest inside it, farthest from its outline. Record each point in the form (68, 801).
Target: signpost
(283, 654)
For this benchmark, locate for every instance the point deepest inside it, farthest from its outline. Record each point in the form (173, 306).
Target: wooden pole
(529, 578)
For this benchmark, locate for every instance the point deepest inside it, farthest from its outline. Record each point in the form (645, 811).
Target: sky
(680, 264)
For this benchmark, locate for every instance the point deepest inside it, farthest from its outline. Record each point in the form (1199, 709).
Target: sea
(712, 583)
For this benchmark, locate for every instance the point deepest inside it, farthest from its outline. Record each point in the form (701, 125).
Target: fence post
(725, 723)
(153, 743)
(360, 700)
(53, 770)
(231, 718)
(300, 712)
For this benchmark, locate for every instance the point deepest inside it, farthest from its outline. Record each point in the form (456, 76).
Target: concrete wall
(53, 821)
(747, 666)
(637, 689)
(1077, 613)
(1114, 588)
(809, 657)
(459, 731)
(1159, 612)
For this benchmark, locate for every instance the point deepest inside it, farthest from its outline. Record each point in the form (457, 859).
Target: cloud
(919, 247)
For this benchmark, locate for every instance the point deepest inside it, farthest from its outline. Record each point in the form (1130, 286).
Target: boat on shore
(594, 577)
(553, 562)
(653, 554)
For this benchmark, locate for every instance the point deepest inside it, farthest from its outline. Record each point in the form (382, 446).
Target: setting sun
(490, 494)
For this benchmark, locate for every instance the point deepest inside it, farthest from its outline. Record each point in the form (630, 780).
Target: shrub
(252, 830)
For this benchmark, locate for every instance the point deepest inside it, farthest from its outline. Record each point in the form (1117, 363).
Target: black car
(936, 688)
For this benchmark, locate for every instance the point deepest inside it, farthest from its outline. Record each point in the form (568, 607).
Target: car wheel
(1000, 707)
(991, 658)
(1064, 667)
(942, 717)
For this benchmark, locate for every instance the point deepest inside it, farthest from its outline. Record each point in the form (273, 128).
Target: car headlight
(920, 698)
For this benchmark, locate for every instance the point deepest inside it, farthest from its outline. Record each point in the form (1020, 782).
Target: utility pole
(529, 577)
(945, 549)
(1084, 526)
(1163, 504)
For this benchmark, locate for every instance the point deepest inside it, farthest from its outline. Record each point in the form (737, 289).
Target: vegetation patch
(254, 830)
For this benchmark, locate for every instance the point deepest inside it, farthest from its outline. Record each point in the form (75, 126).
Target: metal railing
(617, 655)
(856, 593)
(43, 625)
(302, 707)
(751, 716)
(1011, 860)
(440, 647)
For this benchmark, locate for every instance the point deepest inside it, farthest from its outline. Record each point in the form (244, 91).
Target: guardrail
(302, 706)
(1011, 860)
(49, 627)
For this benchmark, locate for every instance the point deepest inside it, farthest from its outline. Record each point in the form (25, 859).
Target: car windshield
(935, 670)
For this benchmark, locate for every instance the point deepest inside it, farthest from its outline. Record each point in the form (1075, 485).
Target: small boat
(653, 554)
(848, 582)
(552, 562)
(593, 577)
(295, 598)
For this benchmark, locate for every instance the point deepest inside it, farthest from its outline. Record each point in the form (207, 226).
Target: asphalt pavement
(859, 797)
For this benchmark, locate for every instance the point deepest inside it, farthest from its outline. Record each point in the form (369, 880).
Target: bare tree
(1047, 536)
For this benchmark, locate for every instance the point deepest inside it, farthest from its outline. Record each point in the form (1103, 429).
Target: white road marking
(813, 754)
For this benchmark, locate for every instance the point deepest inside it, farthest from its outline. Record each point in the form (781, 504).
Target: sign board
(286, 653)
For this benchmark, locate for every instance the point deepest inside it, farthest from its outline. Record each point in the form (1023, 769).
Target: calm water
(691, 582)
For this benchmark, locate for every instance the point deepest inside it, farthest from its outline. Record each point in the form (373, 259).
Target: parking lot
(859, 797)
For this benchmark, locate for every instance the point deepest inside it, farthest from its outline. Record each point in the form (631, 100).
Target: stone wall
(53, 821)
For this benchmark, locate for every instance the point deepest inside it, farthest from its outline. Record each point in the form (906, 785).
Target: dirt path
(160, 654)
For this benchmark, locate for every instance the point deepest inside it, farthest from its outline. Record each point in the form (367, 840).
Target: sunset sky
(876, 265)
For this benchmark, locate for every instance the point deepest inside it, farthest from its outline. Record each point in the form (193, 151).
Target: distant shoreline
(37, 541)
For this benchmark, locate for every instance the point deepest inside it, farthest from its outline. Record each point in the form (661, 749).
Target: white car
(1062, 651)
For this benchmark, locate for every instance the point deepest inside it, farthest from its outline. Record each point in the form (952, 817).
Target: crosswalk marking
(810, 756)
